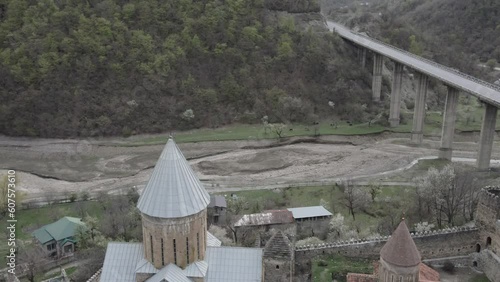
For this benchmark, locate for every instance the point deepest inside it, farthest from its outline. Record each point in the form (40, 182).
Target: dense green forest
(119, 67)
(456, 33)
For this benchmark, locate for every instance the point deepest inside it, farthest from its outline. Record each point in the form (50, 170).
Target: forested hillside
(119, 67)
(456, 33)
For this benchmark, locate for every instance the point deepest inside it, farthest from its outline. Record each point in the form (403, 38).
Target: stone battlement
(490, 197)
(357, 242)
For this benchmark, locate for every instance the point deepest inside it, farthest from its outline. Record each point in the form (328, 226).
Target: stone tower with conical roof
(174, 212)
(399, 257)
(279, 259)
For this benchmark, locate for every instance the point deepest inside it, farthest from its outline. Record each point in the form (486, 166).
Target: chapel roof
(400, 249)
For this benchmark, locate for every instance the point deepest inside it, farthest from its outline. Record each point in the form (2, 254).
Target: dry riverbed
(50, 167)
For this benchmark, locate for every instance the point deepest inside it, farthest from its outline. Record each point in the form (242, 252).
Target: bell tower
(173, 207)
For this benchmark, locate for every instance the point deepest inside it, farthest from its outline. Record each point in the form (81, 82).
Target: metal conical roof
(400, 249)
(173, 190)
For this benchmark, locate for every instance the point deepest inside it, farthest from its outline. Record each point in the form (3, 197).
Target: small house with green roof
(58, 238)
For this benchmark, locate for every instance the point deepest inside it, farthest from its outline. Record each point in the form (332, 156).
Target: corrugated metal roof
(265, 218)
(120, 262)
(144, 266)
(305, 212)
(234, 264)
(212, 241)
(196, 269)
(170, 273)
(59, 230)
(173, 190)
(217, 201)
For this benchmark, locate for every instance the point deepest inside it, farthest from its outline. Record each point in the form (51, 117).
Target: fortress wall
(488, 262)
(487, 218)
(443, 243)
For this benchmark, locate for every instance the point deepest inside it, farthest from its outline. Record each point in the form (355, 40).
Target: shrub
(322, 263)
(72, 197)
(448, 266)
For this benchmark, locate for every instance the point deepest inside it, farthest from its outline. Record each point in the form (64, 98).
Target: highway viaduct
(455, 81)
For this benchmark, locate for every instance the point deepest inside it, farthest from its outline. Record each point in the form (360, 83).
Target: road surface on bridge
(485, 91)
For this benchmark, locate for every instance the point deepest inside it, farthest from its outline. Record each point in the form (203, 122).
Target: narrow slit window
(151, 241)
(187, 249)
(175, 253)
(162, 254)
(198, 243)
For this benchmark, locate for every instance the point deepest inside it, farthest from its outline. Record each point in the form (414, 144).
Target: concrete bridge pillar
(362, 56)
(417, 132)
(396, 94)
(487, 136)
(450, 115)
(378, 60)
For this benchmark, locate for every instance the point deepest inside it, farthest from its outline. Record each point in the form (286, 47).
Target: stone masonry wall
(278, 270)
(487, 218)
(488, 262)
(186, 231)
(442, 243)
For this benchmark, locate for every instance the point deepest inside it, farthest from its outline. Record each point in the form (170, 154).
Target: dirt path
(50, 169)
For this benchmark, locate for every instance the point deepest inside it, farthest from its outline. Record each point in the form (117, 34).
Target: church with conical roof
(176, 245)
(399, 258)
(400, 261)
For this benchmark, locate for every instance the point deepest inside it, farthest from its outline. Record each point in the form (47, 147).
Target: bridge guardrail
(443, 67)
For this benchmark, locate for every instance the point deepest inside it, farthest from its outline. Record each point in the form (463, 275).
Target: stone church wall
(188, 232)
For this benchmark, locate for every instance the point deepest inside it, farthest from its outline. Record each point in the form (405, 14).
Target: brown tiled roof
(427, 274)
(357, 277)
(278, 247)
(266, 218)
(400, 250)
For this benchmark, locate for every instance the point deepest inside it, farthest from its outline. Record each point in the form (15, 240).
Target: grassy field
(256, 132)
(480, 278)
(469, 118)
(337, 267)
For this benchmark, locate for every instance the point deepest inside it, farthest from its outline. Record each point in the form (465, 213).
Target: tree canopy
(111, 67)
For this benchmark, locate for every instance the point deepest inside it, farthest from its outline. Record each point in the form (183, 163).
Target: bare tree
(375, 189)
(121, 219)
(92, 259)
(50, 196)
(472, 186)
(31, 258)
(447, 193)
(278, 129)
(354, 197)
